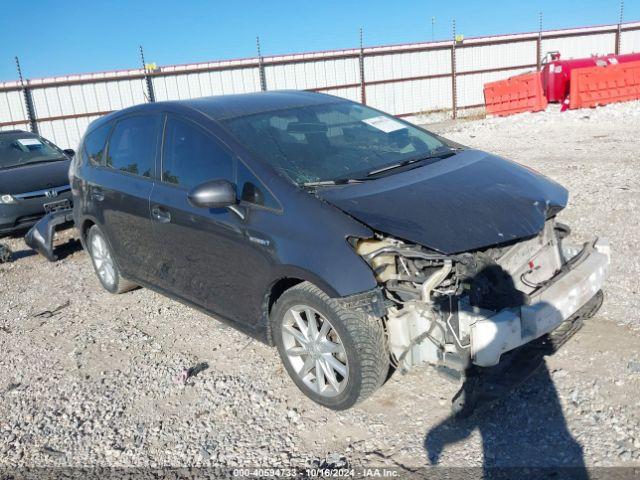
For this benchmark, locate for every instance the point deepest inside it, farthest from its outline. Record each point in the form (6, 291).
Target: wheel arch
(285, 280)
(83, 230)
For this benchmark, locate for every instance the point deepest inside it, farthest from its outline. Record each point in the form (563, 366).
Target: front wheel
(337, 357)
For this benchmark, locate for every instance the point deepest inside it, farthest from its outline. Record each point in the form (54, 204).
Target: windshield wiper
(393, 166)
(24, 164)
(344, 181)
(410, 161)
(339, 181)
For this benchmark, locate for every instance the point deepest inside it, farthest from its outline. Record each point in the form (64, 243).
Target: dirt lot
(94, 384)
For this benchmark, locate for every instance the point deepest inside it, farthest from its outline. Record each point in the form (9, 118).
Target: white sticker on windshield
(385, 124)
(29, 142)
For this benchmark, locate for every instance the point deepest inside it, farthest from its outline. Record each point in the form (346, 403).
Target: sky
(58, 37)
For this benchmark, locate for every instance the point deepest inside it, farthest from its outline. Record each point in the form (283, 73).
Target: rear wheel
(337, 357)
(104, 264)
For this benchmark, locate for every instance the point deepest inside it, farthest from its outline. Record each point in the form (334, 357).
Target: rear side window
(191, 156)
(132, 146)
(94, 145)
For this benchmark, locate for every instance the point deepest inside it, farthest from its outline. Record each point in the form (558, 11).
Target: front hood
(30, 178)
(466, 202)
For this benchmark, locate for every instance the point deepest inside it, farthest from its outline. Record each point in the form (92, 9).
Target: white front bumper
(511, 328)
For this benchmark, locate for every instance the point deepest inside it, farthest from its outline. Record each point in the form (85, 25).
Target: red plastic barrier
(595, 86)
(522, 93)
(556, 73)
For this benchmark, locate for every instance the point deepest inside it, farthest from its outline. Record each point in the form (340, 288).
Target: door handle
(160, 214)
(97, 194)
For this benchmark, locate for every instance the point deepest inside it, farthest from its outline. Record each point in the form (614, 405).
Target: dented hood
(465, 202)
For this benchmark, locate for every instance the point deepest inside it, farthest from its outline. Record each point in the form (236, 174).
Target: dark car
(351, 240)
(34, 179)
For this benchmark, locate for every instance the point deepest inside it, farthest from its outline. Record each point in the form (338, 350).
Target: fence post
(363, 94)
(619, 30)
(28, 100)
(539, 43)
(454, 82)
(263, 78)
(151, 96)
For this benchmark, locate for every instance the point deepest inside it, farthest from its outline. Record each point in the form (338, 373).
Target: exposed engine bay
(465, 309)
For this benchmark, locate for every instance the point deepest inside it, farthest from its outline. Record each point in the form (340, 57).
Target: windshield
(334, 141)
(22, 149)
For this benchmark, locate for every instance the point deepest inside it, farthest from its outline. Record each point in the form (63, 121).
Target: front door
(201, 255)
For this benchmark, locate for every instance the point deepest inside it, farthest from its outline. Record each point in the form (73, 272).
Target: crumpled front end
(492, 334)
(455, 311)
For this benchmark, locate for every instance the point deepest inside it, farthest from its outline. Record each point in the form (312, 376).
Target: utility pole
(363, 95)
(621, 14)
(454, 80)
(433, 28)
(619, 30)
(263, 78)
(151, 97)
(539, 43)
(28, 100)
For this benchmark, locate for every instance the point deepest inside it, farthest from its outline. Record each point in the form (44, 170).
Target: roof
(229, 106)
(222, 107)
(13, 134)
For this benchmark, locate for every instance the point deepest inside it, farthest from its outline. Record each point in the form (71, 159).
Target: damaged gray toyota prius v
(355, 242)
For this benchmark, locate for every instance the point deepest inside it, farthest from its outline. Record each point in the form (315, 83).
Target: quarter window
(94, 144)
(132, 146)
(251, 190)
(192, 156)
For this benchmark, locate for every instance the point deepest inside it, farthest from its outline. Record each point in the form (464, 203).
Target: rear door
(121, 190)
(203, 254)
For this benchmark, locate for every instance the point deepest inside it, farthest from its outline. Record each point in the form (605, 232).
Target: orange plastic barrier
(522, 93)
(595, 86)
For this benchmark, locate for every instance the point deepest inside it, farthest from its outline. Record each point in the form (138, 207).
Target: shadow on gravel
(525, 429)
(68, 248)
(515, 407)
(63, 251)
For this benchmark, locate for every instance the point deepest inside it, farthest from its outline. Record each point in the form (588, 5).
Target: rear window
(132, 146)
(94, 145)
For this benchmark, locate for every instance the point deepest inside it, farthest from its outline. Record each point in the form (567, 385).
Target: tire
(354, 341)
(104, 263)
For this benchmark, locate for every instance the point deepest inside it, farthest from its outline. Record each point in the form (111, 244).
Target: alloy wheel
(315, 350)
(102, 260)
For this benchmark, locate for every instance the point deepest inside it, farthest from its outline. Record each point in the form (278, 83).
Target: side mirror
(69, 152)
(213, 194)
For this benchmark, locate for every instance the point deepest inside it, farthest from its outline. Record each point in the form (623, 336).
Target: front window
(17, 149)
(191, 156)
(333, 141)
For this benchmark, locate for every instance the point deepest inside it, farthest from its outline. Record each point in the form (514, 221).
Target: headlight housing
(6, 199)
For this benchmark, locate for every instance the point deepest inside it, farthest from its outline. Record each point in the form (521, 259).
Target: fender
(292, 271)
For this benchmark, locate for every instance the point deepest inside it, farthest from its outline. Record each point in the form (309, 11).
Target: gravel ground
(95, 383)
